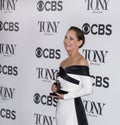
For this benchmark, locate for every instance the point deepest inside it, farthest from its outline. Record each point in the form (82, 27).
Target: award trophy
(58, 86)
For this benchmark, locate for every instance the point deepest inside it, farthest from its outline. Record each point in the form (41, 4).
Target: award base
(53, 94)
(58, 86)
(60, 92)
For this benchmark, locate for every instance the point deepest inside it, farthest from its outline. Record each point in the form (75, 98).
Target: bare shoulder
(63, 63)
(83, 61)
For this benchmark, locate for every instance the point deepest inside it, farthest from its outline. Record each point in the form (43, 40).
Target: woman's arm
(83, 90)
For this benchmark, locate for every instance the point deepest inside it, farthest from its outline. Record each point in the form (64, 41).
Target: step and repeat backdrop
(31, 49)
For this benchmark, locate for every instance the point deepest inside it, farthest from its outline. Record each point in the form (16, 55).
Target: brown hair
(79, 34)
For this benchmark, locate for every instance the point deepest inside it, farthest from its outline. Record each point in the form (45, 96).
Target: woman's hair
(79, 34)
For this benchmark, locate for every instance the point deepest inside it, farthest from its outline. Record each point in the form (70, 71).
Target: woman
(75, 81)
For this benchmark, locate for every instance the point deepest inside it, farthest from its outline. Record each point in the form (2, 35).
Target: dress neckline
(77, 66)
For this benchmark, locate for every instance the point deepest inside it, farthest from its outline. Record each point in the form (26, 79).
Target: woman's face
(71, 41)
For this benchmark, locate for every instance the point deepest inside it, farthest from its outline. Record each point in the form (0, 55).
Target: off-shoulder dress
(75, 83)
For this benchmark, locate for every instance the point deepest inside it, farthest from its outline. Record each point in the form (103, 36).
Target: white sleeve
(85, 88)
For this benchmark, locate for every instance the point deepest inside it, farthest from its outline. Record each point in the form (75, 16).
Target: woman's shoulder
(63, 62)
(82, 61)
(79, 61)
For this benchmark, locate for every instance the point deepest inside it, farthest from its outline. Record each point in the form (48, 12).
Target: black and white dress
(76, 82)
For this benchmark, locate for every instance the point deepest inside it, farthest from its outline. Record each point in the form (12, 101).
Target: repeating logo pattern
(22, 57)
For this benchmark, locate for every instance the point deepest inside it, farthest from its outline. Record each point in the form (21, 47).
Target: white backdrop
(31, 49)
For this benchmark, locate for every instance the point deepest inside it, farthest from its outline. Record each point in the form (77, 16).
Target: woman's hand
(54, 88)
(58, 96)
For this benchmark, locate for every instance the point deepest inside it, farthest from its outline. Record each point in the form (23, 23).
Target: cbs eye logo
(49, 5)
(38, 52)
(47, 53)
(9, 26)
(44, 100)
(97, 29)
(40, 5)
(36, 98)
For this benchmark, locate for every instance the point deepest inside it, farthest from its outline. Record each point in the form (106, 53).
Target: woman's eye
(65, 37)
(71, 38)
